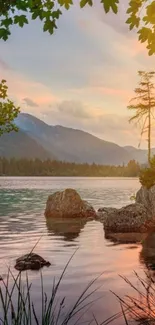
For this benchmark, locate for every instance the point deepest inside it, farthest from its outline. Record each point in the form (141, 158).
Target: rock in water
(147, 198)
(102, 213)
(131, 218)
(30, 262)
(68, 204)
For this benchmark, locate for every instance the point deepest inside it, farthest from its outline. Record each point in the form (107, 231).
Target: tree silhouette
(143, 104)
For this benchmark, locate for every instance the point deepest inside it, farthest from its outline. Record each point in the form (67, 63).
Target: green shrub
(147, 177)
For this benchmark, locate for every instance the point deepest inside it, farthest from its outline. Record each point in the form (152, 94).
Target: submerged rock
(131, 218)
(68, 204)
(30, 262)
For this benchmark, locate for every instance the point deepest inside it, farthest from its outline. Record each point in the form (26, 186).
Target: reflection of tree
(147, 254)
(67, 228)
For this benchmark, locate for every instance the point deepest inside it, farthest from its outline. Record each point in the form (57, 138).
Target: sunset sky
(82, 77)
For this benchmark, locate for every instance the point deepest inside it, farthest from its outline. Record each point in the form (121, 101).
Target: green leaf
(4, 33)
(145, 34)
(114, 8)
(20, 20)
(56, 14)
(65, 3)
(22, 5)
(35, 14)
(7, 22)
(133, 21)
(49, 4)
(49, 26)
(151, 52)
(129, 10)
(83, 3)
(129, 20)
(110, 4)
(150, 10)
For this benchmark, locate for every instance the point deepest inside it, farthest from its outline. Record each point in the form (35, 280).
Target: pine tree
(144, 104)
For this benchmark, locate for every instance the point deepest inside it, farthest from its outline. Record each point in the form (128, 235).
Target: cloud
(4, 65)
(74, 108)
(109, 127)
(22, 88)
(30, 102)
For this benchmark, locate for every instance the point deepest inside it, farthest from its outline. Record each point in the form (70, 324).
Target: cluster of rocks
(131, 218)
(137, 218)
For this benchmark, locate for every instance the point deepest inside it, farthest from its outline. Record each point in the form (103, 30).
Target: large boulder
(131, 218)
(147, 198)
(68, 204)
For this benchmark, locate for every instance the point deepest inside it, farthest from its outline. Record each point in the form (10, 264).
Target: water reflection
(125, 238)
(147, 254)
(69, 229)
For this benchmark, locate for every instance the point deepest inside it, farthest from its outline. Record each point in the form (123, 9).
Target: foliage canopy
(141, 15)
(8, 111)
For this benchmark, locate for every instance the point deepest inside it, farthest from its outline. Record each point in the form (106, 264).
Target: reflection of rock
(68, 228)
(125, 238)
(147, 255)
(68, 204)
(131, 218)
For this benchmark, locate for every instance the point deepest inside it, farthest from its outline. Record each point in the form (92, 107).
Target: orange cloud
(20, 87)
(132, 48)
(100, 90)
(112, 91)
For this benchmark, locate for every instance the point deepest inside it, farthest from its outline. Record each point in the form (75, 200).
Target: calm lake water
(22, 222)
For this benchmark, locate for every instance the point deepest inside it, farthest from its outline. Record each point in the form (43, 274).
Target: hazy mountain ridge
(139, 155)
(20, 145)
(36, 139)
(72, 145)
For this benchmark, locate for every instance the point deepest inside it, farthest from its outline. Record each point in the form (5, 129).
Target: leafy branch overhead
(8, 111)
(141, 15)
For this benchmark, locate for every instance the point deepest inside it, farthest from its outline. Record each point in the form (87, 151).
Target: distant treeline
(37, 167)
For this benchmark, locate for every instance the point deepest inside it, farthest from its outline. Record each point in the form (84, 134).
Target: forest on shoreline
(37, 167)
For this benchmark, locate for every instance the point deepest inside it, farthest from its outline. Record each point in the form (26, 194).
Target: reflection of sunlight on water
(23, 222)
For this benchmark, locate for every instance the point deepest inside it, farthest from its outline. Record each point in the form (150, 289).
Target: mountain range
(36, 139)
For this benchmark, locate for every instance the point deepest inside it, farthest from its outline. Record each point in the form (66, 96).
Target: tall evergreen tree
(143, 104)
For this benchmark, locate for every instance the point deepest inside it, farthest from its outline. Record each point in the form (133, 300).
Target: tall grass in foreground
(141, 306)
(17, 307)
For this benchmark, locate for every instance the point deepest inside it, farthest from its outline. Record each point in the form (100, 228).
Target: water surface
(22, 222)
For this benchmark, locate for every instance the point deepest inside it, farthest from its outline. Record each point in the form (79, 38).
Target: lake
(22, 222)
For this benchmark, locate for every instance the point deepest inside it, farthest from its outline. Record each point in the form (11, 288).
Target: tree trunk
(149, 138)
(149, 129)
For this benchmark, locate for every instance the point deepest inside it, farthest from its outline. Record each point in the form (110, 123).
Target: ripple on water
(22, 203)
